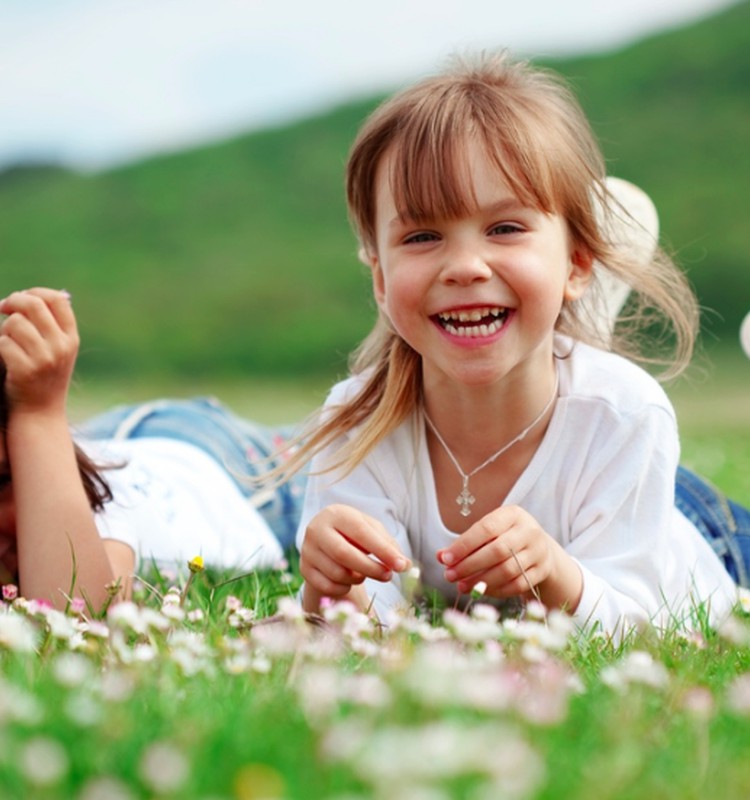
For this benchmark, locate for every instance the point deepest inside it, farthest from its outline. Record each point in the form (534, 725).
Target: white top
(601, 483)
(173, 502)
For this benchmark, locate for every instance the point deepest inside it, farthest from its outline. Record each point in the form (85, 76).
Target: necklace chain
(465, 498)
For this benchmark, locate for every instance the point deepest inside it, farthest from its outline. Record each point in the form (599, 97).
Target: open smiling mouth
(474, 321)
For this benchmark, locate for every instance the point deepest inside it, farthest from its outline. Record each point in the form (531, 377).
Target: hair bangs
(432, 186)
(428, 158)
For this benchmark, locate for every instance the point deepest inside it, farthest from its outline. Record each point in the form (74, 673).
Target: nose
(465, 264)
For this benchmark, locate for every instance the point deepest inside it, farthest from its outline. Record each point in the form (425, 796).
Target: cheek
(403, 287)
(402, 299)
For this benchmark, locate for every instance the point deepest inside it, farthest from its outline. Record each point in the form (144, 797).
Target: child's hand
(510, 552)
(342, 547)
(38, 343)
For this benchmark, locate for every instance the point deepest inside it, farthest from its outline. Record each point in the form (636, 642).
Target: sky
(94, 83)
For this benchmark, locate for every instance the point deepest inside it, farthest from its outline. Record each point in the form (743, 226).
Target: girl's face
(477, 296)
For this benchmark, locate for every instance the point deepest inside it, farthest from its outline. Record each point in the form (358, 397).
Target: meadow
(216, 686)
(224, 689)
(188, 273)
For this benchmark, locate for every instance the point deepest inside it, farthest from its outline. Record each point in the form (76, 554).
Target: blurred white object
(633, 222)
(745, 335)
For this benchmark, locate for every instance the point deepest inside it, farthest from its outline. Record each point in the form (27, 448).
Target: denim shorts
(243, 448)
(724, 523)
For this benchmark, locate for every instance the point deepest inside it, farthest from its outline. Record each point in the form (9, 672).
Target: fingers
(342, 547)
(488, 529)
(40, 322)
(38, 344)
(515, 576)
(507, 550)
(48, 310)
(336, 572)
(363, 542)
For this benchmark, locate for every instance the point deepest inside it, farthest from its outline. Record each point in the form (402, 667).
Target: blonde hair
(534, 132)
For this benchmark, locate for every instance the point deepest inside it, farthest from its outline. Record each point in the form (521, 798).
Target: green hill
(238, 257)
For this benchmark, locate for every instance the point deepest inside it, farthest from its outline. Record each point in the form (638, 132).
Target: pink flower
(77, 605)
(10, 592)
(39, 606)
(233, 604)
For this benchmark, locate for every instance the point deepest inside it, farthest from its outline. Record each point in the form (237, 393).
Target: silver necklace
(465, 498)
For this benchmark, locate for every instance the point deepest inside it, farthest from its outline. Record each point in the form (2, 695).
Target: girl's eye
(420, 238)
(505, 228)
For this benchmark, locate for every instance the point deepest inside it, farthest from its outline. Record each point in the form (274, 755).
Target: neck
(480, 419)
(535, 427)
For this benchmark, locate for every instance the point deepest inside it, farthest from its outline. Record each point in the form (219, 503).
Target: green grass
(236, 260)
(236, 704)
(713, 411)
(274, 401)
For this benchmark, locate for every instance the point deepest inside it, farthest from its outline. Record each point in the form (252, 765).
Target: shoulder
(399, 444)
(593, 377)
(346, 390)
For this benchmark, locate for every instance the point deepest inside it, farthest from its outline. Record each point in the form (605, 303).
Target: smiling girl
(493, 429)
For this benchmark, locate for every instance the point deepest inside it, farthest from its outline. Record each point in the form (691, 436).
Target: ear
(579, 275)
(378, 284)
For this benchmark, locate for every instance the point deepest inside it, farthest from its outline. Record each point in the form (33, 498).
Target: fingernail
(450, 575)
(67, 294)
(447, 558)
(400, 564)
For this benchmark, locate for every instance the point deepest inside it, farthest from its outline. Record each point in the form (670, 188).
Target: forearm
(60, 552)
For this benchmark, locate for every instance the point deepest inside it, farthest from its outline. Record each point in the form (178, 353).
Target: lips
(473, 322)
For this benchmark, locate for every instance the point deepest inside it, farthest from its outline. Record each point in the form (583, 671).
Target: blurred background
(177, 165)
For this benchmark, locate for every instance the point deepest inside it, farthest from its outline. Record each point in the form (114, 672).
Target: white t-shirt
(601, 483)
(173, 502)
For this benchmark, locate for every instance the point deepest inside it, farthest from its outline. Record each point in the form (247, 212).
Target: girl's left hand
(510, 552)
(39, 344)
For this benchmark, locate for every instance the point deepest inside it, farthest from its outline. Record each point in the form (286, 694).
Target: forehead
(468, 178)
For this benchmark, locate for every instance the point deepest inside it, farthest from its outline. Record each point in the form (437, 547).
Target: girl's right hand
(39, 344)
(342, 547)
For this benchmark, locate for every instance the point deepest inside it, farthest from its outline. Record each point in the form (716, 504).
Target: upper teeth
(471, 315)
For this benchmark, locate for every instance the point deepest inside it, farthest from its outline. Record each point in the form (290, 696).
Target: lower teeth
(474, 330)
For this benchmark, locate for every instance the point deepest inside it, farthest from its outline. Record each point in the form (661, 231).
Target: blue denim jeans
(240, 446)
(724, 523)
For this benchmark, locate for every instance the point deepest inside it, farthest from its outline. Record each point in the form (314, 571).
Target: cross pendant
(465, 499)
